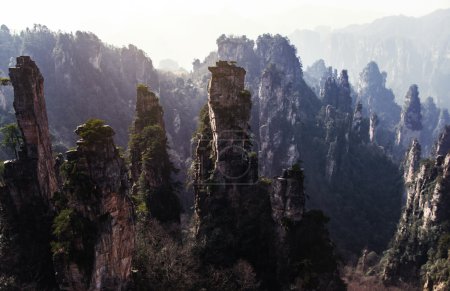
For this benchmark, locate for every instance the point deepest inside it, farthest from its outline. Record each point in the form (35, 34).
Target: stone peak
(443, 142)
(413, 93)
(412, 116)
(227, 68)
(24, 61)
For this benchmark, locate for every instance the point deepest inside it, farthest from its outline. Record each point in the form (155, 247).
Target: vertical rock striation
(373, 128)
(71, 231)
(224, 166)
(418, 252)
(239, 217)
(31, 114)
(94, 226)
(30, 183)
(288, 196)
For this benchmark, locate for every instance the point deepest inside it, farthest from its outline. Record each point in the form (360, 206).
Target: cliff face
(419, 248)
(30, 183)
(374, 95)
(31, 114)
(397, 51)
(393, 126)
(290, 123)
(286, 104)
(71, 231)
(288, 196)
(430, 118)
(151, 168)
(224, 166)
(280, 97)
(93, 226)
(181, 99)
(336, 92)
(239, 217)
(84, 77)
(338, 122)
(444, 119)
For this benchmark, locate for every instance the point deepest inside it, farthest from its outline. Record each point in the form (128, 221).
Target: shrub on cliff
(11, 137)
(94, 131)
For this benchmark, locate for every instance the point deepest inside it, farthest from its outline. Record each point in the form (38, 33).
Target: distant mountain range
(411, 51)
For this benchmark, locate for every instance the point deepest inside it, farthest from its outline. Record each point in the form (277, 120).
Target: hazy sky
(186, 29)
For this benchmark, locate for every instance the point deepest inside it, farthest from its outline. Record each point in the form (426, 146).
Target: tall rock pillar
(30, 183)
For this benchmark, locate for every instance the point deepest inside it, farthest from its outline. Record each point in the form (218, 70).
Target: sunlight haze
(184, 30)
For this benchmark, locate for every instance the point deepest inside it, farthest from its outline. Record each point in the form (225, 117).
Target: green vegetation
(265, 181)
(12, 138)
(5, 81)
(162, 263)
(62, 229)
(142, 88)
(437, 268)
(313, 252)
(246, 96)
(94, 131)
(74, 234)
(297, 170)
(204, 125)
(154, 192)
(149, 111)
(74, 239)
(252, 155)
(156, 198)
(77, 181)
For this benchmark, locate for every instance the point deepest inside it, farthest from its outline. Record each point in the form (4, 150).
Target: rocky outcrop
(239, 217)
(375, 97)
(314, 74)
(94, 226)
(345, 99)
(182, 97)
(337, 125)
(84, 78)
(289, 125)
(415, 121)
(443, 143)
(73, 231)
(273, 144)
(338, 122)
(411, 163)
(29, 184)
(225, 169)
(396, 43)
(410, 125)
(285, 102)
(223, 155)
(280, 97)
(444, 119)
(31, 114)
(336, 92)
(240, 50)
(430, 118)
(418, 252)
(151, 168)
(287, 196)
